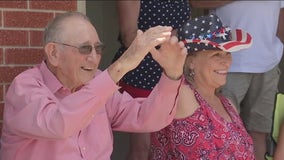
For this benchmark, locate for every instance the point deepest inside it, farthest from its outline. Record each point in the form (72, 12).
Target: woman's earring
(191, 74)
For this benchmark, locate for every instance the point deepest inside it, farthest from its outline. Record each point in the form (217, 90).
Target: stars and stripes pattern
(208, 33)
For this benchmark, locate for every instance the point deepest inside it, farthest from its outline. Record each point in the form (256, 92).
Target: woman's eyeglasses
(86, 49)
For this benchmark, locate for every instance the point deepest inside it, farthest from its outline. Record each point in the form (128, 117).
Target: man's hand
(142, 44)
(171, 56)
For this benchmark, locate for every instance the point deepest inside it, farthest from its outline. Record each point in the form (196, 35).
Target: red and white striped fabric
(208, 32)
(240, 40)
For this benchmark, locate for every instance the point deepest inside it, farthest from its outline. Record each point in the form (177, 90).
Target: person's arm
(280, 30)
(128, 12)
(145, 114)
(208, 4)
(279, 152)
(159, 108)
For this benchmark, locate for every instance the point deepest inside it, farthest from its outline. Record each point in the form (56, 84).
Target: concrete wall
(103, 14)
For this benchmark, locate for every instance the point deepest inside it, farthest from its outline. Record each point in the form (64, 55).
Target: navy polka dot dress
(152, 13)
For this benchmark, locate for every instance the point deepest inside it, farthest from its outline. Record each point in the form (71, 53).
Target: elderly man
(64, 109)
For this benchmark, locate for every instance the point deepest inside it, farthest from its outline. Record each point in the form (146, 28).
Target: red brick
(1, 56)
(13, 4)
(9, 73)
(23, 55)
(1, 116)
(30, 20)
(65, 5)
(1, 18)
(1, 126)
(36, 38)
(6, 87)
(13, 38)
(1, 93)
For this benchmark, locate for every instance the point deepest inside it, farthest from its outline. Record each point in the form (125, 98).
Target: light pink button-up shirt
(45, 121)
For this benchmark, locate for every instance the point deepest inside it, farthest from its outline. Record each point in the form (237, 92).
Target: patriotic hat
(208, 33)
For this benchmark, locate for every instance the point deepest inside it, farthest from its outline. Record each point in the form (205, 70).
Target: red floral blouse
(204, 135)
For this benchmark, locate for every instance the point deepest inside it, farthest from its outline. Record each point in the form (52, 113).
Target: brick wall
(21, 30)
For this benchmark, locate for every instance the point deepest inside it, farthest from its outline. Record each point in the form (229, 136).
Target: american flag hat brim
(208, 33)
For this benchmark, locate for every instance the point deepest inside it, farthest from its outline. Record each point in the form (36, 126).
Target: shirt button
(84, 148)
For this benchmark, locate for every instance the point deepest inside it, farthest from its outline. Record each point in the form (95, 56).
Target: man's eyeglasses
(86, 49)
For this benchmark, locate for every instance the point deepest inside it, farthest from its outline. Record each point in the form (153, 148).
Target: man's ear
(52, 53)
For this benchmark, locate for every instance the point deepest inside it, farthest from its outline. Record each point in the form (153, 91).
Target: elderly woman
(207, 125)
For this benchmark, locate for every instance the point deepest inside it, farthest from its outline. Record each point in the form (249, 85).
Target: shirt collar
(49, 78)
